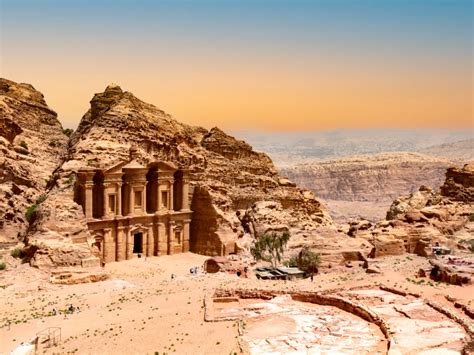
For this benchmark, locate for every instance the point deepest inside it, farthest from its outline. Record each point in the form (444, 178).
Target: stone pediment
(133, 164)
(117, 168)
(163, 165)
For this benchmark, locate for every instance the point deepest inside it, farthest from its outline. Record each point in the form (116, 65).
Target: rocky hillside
(226, 174)
(381, 177)
(462, 150)
(32, 145)
(415, 222)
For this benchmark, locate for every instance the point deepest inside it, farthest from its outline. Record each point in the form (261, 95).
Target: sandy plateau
(140, 309)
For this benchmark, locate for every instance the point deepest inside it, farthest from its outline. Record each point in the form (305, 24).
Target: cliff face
(32, 145)
(459, 184)
(382, 177)
(226, 174)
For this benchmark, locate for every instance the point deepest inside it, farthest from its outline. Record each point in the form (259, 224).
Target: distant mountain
(462, 150)
(289, 148)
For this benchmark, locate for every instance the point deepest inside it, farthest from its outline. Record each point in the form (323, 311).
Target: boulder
(456, 271)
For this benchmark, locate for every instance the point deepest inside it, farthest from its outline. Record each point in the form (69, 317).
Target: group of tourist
(193, 271)
(70, 309)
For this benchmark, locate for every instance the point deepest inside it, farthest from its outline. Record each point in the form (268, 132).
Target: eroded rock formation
(459, 184)
(417, 221)
(32, 145)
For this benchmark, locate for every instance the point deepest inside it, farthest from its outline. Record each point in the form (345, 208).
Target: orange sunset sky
(261, 65)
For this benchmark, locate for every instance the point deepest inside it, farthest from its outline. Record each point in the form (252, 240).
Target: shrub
(68, 131)
(41, 199)
(3, 266)
(30, 212)
(292, 262)
(70, 179)
(308, 260)
(24, 145)
(16, 253)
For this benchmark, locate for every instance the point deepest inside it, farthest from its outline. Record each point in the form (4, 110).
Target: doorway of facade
(137, 243)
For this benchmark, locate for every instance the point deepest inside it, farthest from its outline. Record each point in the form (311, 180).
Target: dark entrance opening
(137, 243)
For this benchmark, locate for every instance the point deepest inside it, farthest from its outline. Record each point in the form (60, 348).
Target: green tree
(68, 131)
(308, 260)
(270, 247)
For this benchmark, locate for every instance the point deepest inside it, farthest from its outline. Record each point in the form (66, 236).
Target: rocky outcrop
(226, 175)
(459, 184)
(32, 145)
(453, 270)
(417, 221)
(381, 177)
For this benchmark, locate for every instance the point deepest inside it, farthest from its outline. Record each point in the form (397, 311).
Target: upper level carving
(130, 189)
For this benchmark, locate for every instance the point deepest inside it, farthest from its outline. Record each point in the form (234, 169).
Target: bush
(308, 260)
(41, 199)
(24, 145)
(292, 262)
(3, 266)
(30, 212)
(16, 253)
(68, 131)
(70, 179)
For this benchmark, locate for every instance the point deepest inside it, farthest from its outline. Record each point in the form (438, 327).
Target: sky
(263, 65)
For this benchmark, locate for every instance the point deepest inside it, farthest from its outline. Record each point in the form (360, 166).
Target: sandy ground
(140, 309)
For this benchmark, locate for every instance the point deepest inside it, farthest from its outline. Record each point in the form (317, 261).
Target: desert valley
(136, 233)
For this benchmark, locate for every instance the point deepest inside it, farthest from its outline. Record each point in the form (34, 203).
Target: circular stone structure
(283, 325)
(366, 320)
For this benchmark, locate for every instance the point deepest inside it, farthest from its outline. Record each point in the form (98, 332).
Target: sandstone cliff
(381, 177)
(32, 145)
(226, 174)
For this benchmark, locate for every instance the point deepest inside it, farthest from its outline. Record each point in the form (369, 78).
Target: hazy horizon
(280, 66)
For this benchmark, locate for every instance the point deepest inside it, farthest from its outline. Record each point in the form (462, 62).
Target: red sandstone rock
(32, 145)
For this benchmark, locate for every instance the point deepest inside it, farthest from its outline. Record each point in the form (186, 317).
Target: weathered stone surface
(459, 184)
(51, 254)
(73, 276)
(422, 198)
(412, 324)
(407, 322)
(32, 145)
(456, 271)
(416, 222)
(9, 129)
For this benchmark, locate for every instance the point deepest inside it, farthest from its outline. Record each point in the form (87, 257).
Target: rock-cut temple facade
(134, 210)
